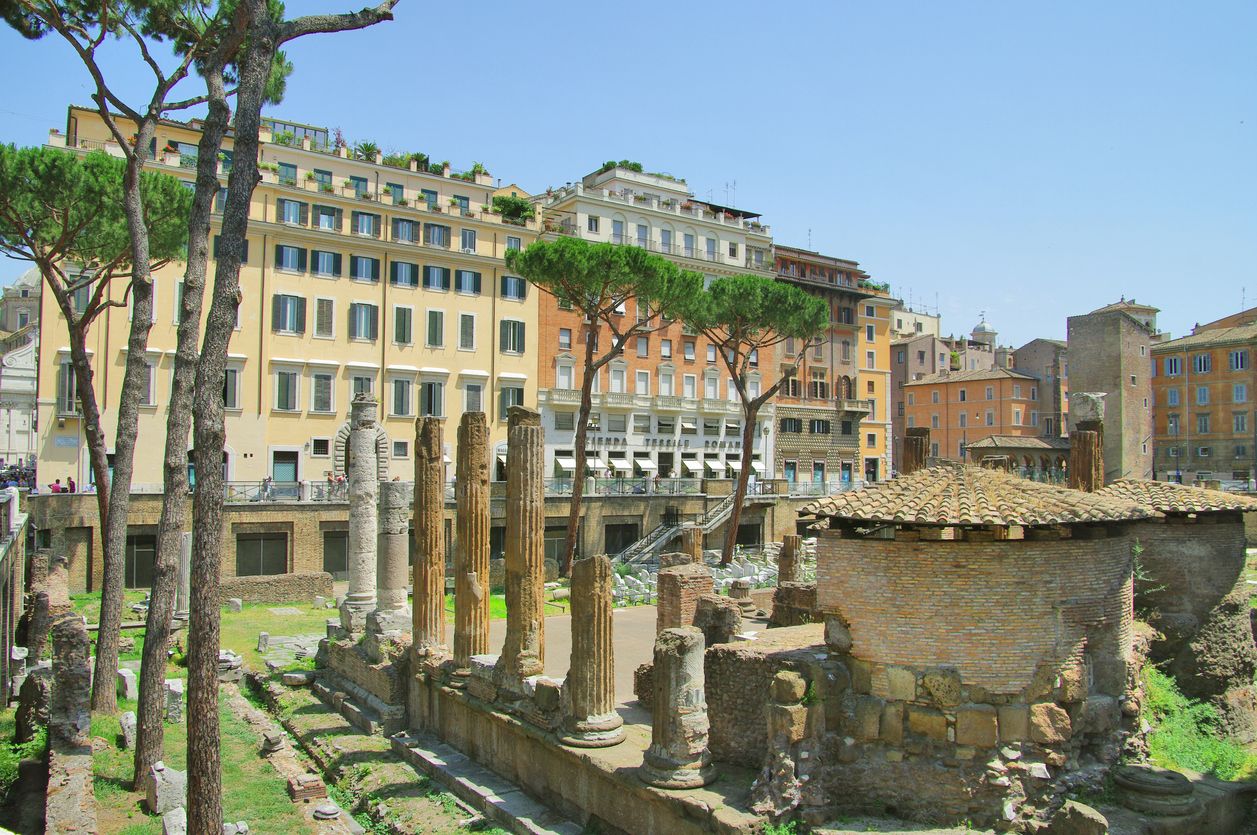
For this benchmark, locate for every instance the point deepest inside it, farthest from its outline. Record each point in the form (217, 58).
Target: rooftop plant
(512, 207)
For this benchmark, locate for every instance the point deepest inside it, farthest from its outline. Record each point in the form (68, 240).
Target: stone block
(1103, 714)
(175, 822)
(788, 688)
(165, 789)
(264, 642)
(1074, 818)
(235, 604)
(548, 693)
(977, 726)
(1073, 687)
(789, 720)
(1049, 724)
(128, 723)
(837, 635)
(943, 686)
(1014, 723)
(890, 729)
(861, 675)
(298, 678)
(927, 722)
(868, 717)
(174, 700)
(128, 686)
(895, 683)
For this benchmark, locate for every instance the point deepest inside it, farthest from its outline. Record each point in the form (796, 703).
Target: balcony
(714, 405)
(619, 400)
(668, 403)
(851, 405)
(565, 396)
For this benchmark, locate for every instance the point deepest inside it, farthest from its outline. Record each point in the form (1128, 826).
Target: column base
(594, 732)
(353, 618)
(666, 773)
(386, 621)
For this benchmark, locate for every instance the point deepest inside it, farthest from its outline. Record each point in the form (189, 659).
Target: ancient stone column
(590, 685)
(429, 599)
(392, 569)
(789, 569)
(471, 541)
(692, 542)
(364, 488)
(523, 651)
(183, 593)
(678, 757)
(1086, 440)
(916, 449)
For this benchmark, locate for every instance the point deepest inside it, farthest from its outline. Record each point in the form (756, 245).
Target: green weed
(1186, 733)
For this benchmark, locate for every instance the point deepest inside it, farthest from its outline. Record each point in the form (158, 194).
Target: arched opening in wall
(845, 388)
(340, 452)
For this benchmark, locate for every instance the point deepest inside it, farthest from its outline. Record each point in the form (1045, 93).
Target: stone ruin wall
(1192, 590)
(276, 588)
(793, 604)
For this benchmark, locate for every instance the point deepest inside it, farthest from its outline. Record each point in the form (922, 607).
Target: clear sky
(1028, 160)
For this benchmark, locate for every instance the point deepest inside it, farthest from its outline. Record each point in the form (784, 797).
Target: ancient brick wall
(992, 610)
(793, 604)
(276, 588)
(679, 589)
(385, 681)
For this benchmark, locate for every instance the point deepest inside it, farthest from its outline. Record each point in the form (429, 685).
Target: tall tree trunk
(97, 453)
(150, 729)
(578, 476)
(134, 378)
(749, 412)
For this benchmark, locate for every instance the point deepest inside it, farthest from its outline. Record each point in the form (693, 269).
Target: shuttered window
(364, 321)
(324, 317)
(288, 314)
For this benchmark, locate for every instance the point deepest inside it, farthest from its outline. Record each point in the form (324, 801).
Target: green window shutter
(445, 278)
(336, 263)
(301, 314)
(353, 330)
(503, 328)
(301, 259)
(375, 322)
(377, 225)
(475, 283)
(340, 220)
(375, 269)
(275, 312)
(279, 256)
(244, 252)
(305, 214)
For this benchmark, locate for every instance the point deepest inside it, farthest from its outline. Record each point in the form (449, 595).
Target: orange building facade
(961, 407)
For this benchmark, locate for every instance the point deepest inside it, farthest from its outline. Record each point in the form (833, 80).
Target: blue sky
(1029, 160)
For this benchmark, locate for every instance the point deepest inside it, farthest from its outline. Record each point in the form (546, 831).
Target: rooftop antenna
(809, 238)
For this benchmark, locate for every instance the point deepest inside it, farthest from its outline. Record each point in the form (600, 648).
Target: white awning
(644, 463)
(602, 462)
(563, 463)
(736, 466)
(502, 460)
(710, 464)
(689, 466)
(511, 375)
(689, 423)
(619, 464)
(757, 467)
(447, 459)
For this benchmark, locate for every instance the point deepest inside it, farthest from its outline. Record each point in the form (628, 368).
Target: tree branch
(321, 24)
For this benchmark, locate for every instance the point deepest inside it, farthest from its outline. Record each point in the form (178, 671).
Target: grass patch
(12, 753)
(497, 605)
(1186, 733)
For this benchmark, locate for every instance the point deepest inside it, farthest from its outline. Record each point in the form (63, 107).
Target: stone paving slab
(283, 611)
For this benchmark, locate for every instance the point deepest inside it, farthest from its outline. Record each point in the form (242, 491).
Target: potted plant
(326, 187)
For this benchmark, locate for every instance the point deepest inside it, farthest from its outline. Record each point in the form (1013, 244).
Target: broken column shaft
(692, 542)
(678, 757)
(590, 686)
(429, 591)
(523, 651)
(789, 569)
(364, 488)
(471, 540)
(392, 567)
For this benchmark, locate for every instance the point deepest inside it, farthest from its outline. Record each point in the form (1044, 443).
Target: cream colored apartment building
(359, 276)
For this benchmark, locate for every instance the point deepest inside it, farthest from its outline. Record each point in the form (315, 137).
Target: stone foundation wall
(679, 588)
(385, 681)
(794, 604)
(276, 588)
(925, 604)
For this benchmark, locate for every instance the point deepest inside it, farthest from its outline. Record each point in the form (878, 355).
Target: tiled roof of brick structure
(1020, 442)
(955, 494)
(1167, 497)
(974, 375)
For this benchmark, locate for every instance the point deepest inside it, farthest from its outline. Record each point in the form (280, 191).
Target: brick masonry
(679, 589)
(794, 604)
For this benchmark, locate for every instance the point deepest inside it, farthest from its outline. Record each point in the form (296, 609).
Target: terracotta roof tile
(1168, 497)
(1021, 442)
(956, 494)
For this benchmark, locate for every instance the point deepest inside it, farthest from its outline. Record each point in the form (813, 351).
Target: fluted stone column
(590, 685)
(916, 449)
(183, 593)
(429, 591)
(392, 567)
(678, 757)
(364, 486)
(471, 542)
(523, 651)
(789, 569)
(692, 542)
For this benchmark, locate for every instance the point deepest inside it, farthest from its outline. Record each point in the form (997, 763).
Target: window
(964, 419)
(591, 223)
(964, 395)
(870, 359)
(689, 239)
(641, 423)
(466, 331)
(818, 350)
(566, 421)
(261, 554)
(1171, 425)
(617, 232)
(711, 353)
(514, 287)
(1034, 392)
(511, 336)
(711, 387)
(868, 310)
(934, 396)
(231, 388)
(473, 397)
(324, 318)
(146, 394)
(689, 349)
(366, 224)
(1132, 380)
(403, 325)
(405, 231)
(788, 425)
(434, 234)
(752, 359)
(401, 397)
(397, 192)
(286, 383)
(1171, 397)
(819, 427)
(361, 384)
(401, 449)
(403, 274)
(288, 173)
(1202, 424)
(642, 384)
(565, 337)
(467, 282)
(1238, 360)
(514, 396)
(617, 423)
(467, 240)
(869, 335)
(328, 218)
(291, 259)
(617, 380)
(1202, 363)
(362, 268)
(513, 242)
(665, 383)
(1016, 417)
(1202, 395)
(321, 388)
(711, 249)
(292, 212)
(436, 329)
(912, 398)
(1240, 422)
(288, 314)
(320, 447)
(990, 417)
(643, 346)
(1173, 366)
(436, 278)
(870, 440)
(1239, 393)
(325, 264)
(563, 377)
(364, 321)
(689, 385)
(428, 196)
(432, 399)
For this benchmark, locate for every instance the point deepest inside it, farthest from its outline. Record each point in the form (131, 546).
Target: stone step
(498, 799)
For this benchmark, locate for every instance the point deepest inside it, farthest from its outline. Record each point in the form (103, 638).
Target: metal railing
(262, 491)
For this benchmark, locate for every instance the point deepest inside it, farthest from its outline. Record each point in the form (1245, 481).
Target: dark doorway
(261, 554)
(618, 537)
(140, 559)
(336, 554)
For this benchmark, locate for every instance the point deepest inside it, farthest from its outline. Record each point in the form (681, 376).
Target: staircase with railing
(649, 545)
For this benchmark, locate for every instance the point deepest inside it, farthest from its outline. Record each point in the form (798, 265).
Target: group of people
(68, 487)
